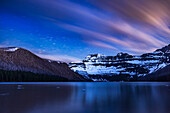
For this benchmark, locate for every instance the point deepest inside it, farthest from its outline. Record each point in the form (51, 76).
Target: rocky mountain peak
(165, 49)
(123, 64)
(122, 55)
(20, 59)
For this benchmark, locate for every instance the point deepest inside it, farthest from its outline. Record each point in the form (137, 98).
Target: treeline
(21, 76)
(122, 77)
(135, 78)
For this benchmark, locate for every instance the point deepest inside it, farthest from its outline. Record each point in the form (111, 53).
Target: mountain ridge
(123, 64)
(20, 59)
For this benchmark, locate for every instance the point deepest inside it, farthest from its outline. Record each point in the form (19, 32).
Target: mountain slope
(20, 59)
(123, 64)
(160, 75)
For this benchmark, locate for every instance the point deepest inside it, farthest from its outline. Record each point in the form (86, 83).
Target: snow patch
(49, 61)
(12, 49)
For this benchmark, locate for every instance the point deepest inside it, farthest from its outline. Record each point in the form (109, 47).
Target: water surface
(77, 97)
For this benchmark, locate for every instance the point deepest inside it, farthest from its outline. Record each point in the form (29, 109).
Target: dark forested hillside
(20, 76)
(160, 75)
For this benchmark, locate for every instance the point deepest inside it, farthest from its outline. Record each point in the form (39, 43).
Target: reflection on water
(83, 97)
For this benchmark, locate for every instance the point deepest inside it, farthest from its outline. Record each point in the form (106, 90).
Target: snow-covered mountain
(123, 64)
(19, 59)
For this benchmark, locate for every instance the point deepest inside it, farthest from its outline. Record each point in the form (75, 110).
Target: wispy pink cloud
(63, 58)
(101, 44)
(151, 22)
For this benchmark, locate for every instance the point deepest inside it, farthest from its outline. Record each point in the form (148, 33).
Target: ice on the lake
(58, 87)
(20, 87)
(4, 94)
(83, 90)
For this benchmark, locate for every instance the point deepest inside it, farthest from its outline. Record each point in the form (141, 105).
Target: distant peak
(122, 54)
(94, 56)
(164, 49)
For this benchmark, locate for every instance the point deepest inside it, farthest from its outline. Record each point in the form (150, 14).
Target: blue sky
(68, 30)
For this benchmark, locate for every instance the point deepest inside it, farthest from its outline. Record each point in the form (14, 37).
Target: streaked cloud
(133, 33)
(61, 57)
(101, 44)
(135, 26)
(152, 12)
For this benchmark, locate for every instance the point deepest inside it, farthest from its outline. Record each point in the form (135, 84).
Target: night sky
(69, 30)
